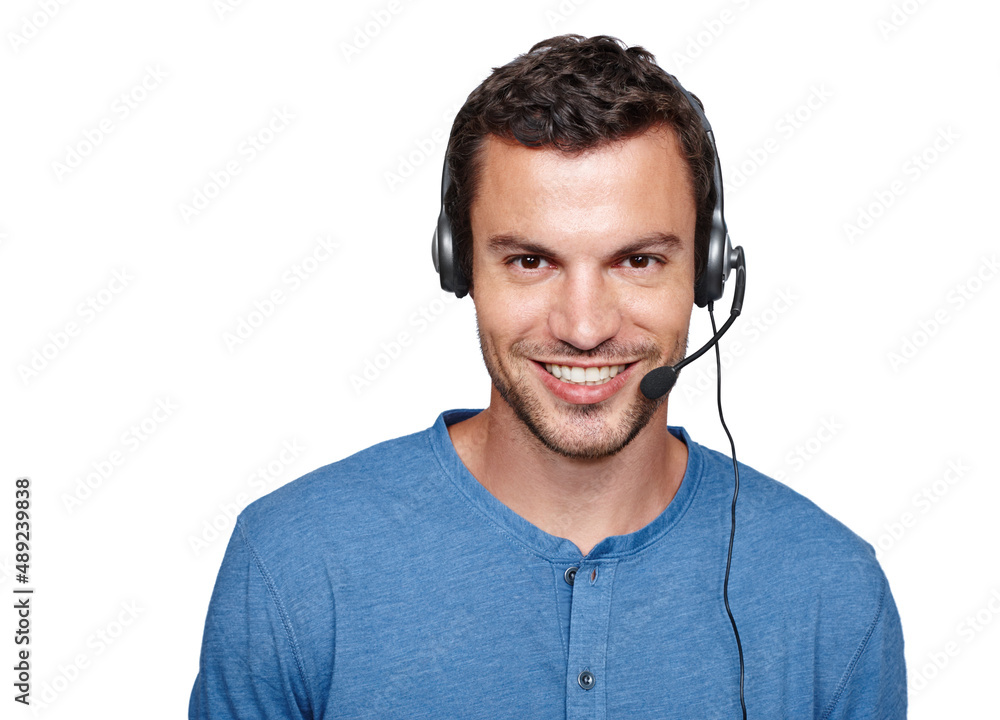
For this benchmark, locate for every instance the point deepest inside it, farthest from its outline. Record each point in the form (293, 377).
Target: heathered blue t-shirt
(392, 584)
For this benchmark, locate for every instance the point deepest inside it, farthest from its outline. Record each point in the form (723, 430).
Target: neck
(581, 499)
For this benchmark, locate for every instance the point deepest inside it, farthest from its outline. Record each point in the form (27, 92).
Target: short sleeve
(249, 667)
(875, 684)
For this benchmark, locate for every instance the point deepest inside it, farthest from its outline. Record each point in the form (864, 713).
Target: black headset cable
(736, 492)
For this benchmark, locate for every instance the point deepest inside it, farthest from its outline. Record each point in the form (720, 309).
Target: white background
(826, 308)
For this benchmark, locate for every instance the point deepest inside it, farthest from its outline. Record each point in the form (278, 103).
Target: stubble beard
(577, 431)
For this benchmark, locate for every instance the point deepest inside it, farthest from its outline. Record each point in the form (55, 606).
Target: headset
(722, 259)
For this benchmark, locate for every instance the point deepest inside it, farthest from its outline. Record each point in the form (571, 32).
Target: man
(561, 553)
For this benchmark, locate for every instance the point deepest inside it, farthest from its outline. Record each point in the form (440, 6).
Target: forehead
(641, 184)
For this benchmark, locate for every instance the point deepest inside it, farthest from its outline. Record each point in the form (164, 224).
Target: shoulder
(347, 500)
(792, 552)
(809, 589)
(772, 517)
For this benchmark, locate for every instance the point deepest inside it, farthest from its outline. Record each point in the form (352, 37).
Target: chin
(581, 431)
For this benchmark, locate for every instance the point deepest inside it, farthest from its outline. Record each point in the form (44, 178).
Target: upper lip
(585, 364)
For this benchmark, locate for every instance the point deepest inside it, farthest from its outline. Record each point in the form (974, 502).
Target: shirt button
(586, 679)
(570, 575)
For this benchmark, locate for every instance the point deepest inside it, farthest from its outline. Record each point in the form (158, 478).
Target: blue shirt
(392, 584)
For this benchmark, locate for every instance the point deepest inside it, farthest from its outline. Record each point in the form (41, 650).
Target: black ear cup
(443, 250)
(711, 282)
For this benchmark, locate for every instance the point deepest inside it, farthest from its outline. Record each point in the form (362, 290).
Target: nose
(585, 310)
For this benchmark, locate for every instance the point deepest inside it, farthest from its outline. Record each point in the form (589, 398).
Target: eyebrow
(512, 242)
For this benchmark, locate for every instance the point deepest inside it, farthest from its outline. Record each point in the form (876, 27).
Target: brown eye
(639, 261)
(530, 262)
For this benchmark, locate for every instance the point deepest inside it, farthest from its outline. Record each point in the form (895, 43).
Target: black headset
(709, 286)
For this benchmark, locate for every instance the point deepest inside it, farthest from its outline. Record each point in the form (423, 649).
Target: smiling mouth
(576, 375)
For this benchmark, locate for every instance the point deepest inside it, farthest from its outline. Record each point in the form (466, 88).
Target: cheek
(505, 318)
(664, 312)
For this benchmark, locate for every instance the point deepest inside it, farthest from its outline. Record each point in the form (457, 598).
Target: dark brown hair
(575, 94)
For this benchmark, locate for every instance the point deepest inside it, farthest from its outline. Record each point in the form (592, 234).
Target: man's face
(587, 262)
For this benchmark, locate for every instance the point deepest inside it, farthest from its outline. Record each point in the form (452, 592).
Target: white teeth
(584, 376)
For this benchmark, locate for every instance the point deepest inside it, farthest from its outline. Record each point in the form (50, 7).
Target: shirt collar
(537, 540)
